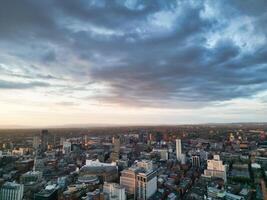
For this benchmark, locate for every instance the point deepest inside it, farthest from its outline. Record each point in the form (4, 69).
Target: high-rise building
(36, 142)
(195, 161)
(146, 184)
(44, 139)
(140, 180)
(11, 191)
(115, 155)
(85, 140)
(216, 168)
(66, 147)
(128, 180)
(114, 191)
(178, 149)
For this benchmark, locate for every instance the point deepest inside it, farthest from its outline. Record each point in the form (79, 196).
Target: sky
(132, 62)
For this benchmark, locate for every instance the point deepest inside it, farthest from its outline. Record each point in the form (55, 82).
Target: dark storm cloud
(148, 53)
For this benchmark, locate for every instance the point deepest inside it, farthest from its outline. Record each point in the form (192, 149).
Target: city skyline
(131, 62)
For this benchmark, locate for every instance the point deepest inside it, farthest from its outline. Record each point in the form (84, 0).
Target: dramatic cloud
(154, 53)
(21, 85)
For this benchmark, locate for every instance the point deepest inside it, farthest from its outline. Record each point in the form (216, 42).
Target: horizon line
(114, 125)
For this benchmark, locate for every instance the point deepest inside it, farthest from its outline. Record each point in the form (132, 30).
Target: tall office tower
(44, 139)
(85, 139)
(115, 155)
(128, 181)
(146, 184)
(36, 142)
(216, 168)
(140, 180)
(66, 147)
(11, 191)
(196, 161)
(114, 191)
(178, 149)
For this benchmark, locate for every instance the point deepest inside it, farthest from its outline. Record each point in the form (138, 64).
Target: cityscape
(212, 161)
(133, 100)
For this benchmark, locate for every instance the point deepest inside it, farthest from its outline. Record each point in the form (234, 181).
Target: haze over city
(129, 62)
(133, 100)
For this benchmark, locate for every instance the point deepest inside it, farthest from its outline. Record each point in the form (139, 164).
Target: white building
(114, 191)
(178, 149)
(66, 147)
(96, 163)
(11, 191)
(183, 158)
(216, 168)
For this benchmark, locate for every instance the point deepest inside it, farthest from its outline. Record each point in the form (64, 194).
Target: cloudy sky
(132, 62)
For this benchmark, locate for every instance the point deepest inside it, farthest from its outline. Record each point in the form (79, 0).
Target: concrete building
(178, 149)
(216, 168)
(128, 180)
(95, 195)
(162, 152)
(140, 180)
(195, 161)
(66, 147)
(49, 193)
(62, 140)
(116, 144)
(105, 171)
(33, 182)
(36, 142)
(146, 184)
(145, 164)
(44, 139)
(115, 155)
(114, 191)
(88, 179)
(11, 191)
(31, 177)
(214, 193)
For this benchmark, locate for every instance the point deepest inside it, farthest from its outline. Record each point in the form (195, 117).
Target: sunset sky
(132, 62)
